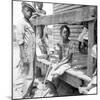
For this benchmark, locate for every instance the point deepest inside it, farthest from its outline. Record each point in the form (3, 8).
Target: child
(91, 87)
(41, 45)
(26, 42)
(40, 10)
(67, 50)
(83, 39)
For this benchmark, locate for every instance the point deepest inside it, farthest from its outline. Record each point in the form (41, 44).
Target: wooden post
(90, 44)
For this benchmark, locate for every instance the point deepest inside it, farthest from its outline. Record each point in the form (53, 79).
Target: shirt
(25, 34)
(93, 52)
(67, 49)
(83, 35)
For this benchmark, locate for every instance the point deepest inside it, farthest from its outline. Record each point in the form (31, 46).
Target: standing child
(26, 42)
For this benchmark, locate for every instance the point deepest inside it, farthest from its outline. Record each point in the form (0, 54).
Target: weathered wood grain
(90, 44)
(68, 8)
(72, 80)
(61, 7)
(72, 17)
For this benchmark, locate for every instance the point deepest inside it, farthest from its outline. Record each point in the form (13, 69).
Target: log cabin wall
(75, 29)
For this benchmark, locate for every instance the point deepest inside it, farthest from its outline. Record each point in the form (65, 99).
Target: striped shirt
(25, 34)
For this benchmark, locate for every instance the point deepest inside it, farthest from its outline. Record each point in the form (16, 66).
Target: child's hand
(34, 15)
(55, 75)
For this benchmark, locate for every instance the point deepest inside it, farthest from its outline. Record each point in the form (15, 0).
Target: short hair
(64, 26)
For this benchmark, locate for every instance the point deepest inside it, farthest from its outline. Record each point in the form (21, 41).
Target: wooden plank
(72, 17)
(57, 4)
(57, 26)
(83, 63)
(52, 19)
(71, 10)
(90, 44)
(71, 34)
(72, 80)
(56, 38)
(75, 26)
(73, 30)
(73, 38)
(61, 7)
(79, 74)
(75, 77)
(70, 26)
(57, 33)
(74, 35)
(58, 41)
(76, 30)
(68, 8)
(83, 9)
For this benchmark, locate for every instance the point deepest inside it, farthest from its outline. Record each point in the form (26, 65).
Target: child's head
(64, 31)
(39, 5)
(27, 10)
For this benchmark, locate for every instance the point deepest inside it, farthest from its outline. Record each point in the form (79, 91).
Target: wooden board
(61, 7)
(71, 17)
(90, 44)
(73, 30)
(74, 77)
(57, 26)
(79, 8)
(57, 4)
(68, 8)
(72, 80)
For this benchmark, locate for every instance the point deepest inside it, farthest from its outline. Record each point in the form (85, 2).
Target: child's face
(27, 12)
(65, 34)
(40, 5)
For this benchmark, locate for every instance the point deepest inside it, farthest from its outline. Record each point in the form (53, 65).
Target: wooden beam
(70, 18)
(79, 74)
(72, 80)
(90, 44)
(74, 77)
